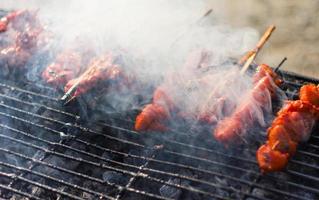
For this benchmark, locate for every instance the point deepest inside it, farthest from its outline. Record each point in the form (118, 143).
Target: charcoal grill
(48, 152)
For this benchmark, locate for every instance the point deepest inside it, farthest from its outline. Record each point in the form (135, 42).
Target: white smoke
(159, 35)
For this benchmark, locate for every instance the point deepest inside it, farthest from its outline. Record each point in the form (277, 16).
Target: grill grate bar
(206, 171)
(151, 170)
(40, 185)
(303, 175)
(25, 170)
(19, 192)
(111, 161)
(216, 163)
(86, 130)
(100, 181)
(13, 88)
(31, 123)
(40, 106)
(133, 178)
(130, 131)
(103, 166)
(241, 158)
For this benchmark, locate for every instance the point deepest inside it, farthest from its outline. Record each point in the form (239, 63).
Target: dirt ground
(296, 36)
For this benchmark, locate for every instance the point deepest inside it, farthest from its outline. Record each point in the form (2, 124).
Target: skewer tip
(280, 64)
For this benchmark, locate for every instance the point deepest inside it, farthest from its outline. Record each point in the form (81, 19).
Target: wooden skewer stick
(72, 89)
(280, 64)
(250, 56)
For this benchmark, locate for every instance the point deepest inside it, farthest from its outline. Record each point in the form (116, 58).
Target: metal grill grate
(47, 153)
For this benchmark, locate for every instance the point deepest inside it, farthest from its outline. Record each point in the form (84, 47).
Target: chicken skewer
(102, 70)
(293, 124)
(66, 66)
(247, 59)
(251, 109)
(154, 116)
(17, 55)
(150, 112)
(19, 20)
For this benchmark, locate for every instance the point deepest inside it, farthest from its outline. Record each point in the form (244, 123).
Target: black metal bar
(13, 88)
(7, 188)
(100, 181)
(133, 178)
(40, 185)
(103, 166)
(109, 167)
(40, 106)
(157, 171)
(148, 159)
(280, 64)
(124, 130)
(97, 194)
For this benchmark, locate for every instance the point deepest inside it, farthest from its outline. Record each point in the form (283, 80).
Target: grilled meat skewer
(251, 109)
(293, 124)
(67, 66)
(17, 55)
(154, 115)
(102, 71)
(19, 20)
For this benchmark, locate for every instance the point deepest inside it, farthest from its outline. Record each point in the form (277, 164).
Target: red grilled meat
(293, 124)
(251, 109)
(19, 20)
(16, 56)
(154, 115)
(66, 66)
(102, 71)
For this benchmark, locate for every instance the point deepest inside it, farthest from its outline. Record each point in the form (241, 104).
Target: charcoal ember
(4, 69)
(39, 155)
(17, 197)
(115, 178)
(192, 196)
(170, 191)
(36, 191)
(108, 155)
(262, 193)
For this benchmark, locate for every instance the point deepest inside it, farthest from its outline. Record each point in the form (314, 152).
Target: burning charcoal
(38, 155)
(261, 193)
(170, 191)
(17, 197)
(36, 191)
(115, 177)
(108, 155)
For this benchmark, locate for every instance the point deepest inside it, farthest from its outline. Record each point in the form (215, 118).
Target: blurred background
(296, 36)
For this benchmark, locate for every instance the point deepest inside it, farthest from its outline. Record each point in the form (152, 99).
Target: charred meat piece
(17, 56)
(293, 124)
(19, 20)
(152, 118)
(216, 110)
(221, 106)
(250, 110)
(66, 66)
(101, 72)
(310, 93)
(154, 115)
